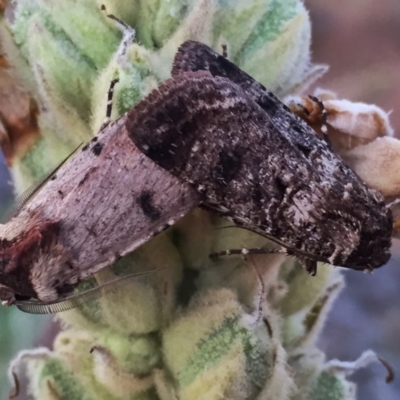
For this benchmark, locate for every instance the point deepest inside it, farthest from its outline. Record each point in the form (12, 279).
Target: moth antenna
(79, 299)
(110, 97)
(30, 193)
(323, 118)
(245, 252)
(128, 32)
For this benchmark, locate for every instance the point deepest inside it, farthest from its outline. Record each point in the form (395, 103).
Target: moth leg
(129, 35)
(245, 252)
(122, 25)
(110, 97)
(128, 32)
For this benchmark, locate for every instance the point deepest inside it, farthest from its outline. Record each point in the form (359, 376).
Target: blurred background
(360, 40)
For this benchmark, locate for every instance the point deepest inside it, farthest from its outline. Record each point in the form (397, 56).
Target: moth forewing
(103, 204)
(29, 193)
(255, 162)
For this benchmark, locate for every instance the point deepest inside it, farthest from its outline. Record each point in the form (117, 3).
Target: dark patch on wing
(82, 181)
(281, 188)
(163, 137)
(222, 67)
(97, 148)
(306, 150)
(161, 153)
(268, 103)
(228, 165)
(145, 203)
(257, 195)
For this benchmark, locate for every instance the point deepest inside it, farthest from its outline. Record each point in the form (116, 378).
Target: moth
(209, 136)
(255, 162)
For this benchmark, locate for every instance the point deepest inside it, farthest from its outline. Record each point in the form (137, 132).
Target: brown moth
(103, 204)
(213, 137)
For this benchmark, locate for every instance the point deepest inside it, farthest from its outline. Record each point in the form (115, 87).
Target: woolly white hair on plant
(16, 364)
(346, 368)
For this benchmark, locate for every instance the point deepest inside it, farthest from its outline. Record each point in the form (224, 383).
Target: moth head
(20, 253)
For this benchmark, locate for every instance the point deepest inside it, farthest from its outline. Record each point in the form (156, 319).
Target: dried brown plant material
(3, 5)
(377, 164)
(18, 118)
(349, 124)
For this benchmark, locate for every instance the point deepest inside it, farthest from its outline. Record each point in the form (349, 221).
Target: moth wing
(264, 170)
(343, 196)
(30, 193)
(194, 56)
(228, 149)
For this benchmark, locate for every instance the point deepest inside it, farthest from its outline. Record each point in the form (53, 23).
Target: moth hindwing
(104, 203)
(252, 160)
